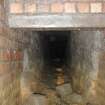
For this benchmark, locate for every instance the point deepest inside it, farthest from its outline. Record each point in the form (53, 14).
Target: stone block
(64, 89)
(70, 8)
(96, 7)
(30, 8)
(43, 8)
(56, 8)
(83, 7)
(16, 8)
(103, 8)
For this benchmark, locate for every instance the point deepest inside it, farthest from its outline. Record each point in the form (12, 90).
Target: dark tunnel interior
(55, 46)
(55, 49)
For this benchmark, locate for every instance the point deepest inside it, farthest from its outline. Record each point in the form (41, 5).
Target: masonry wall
(32, 67)
(85, 65)
(99, 84)
(11, 57)
(10, 69)
(87, 46)
(34, 7)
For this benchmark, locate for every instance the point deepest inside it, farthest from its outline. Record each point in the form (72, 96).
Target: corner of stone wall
(32, 67)
(11, 57)
(85, 46)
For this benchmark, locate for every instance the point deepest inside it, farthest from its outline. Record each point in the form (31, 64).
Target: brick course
(96, 7)
(57, 6)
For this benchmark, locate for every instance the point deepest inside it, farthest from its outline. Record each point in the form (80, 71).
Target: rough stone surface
(10, 62)
(64, 89)
(74, 99)
(68, 96)
(66, 22)
(32, 67)
(81, 13)
(21, 60)
(56, 6)
(36, 100)
(85, 46)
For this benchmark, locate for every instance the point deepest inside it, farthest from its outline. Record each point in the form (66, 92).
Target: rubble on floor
(62, 95)
(36, 100)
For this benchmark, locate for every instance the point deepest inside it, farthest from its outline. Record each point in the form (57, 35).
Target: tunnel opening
(54, 49)
(62, 65)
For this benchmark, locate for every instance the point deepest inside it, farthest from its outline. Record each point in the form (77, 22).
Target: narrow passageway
(61, 68)
(58, 67)
(54, 76)
(55, 46)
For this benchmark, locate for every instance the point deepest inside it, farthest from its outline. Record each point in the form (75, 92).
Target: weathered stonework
(85, 64)
(56, 6)
(11, 57)
(32, 67)
(56, 14)
(21, 59)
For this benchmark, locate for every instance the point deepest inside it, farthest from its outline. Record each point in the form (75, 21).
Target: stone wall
(20, 65)
(32, 67)
(11, 56)
(85, 47)
(99, 84)
(10, 67)
(21, 60)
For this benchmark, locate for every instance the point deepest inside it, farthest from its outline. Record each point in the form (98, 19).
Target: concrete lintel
(57, 21)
